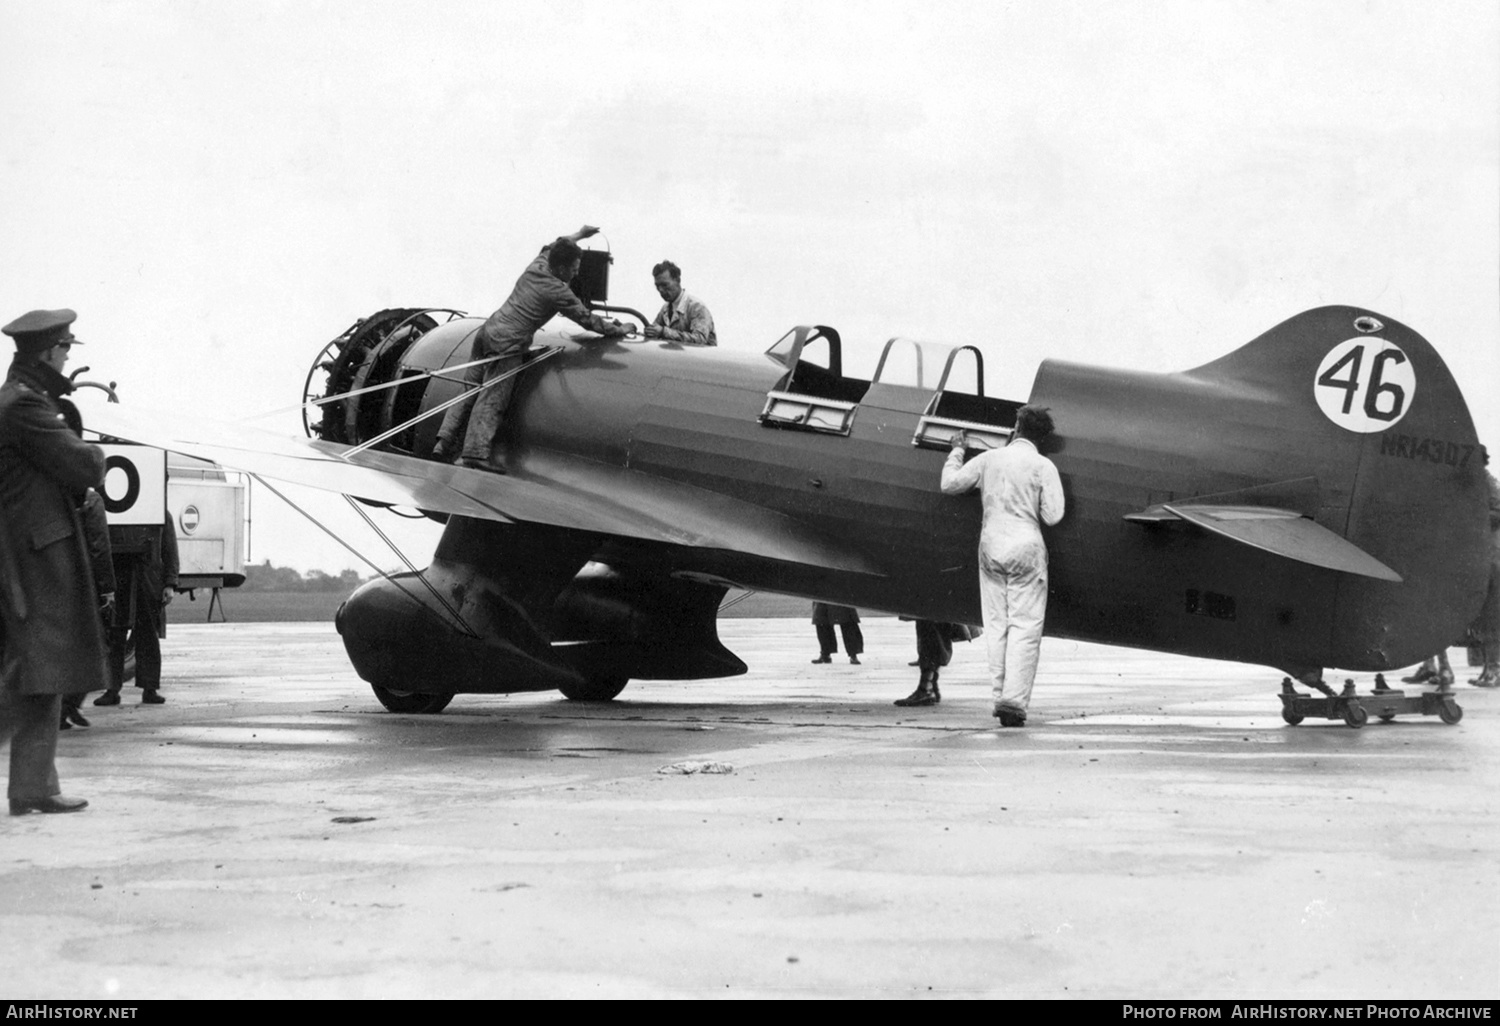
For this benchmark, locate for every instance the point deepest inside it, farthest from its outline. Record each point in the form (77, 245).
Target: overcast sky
(219, 188)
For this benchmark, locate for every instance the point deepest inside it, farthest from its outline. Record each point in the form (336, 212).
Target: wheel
(410, 702)
(1450, 713)
(1387, 717)
(596, 689)
(1291, 717)
(1355, 715)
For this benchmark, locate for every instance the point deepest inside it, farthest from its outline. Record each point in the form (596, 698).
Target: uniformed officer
(51, 638)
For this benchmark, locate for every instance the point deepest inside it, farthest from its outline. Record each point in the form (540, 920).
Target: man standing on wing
(540, 294)
(1019, 490)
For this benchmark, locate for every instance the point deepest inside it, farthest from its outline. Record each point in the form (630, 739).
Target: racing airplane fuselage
(1315, 498)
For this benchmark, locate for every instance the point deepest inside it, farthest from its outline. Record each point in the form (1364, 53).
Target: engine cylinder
(371, 359)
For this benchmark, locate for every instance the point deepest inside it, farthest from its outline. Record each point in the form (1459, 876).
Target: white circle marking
(1365, 384)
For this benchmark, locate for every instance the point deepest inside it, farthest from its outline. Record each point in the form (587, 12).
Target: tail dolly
(1355, 709)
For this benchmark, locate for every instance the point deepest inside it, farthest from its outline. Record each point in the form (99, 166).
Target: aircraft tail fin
(1399, 467)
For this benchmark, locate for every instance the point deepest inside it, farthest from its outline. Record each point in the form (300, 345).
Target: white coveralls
(1018, 488)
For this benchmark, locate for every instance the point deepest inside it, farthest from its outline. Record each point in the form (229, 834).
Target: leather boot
(927, 691)
(1490, 678)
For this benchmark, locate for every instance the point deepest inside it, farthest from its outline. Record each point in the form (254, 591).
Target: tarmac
(1155, 832)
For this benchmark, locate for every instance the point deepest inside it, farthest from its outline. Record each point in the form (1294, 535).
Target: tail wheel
(410, 701)
(596, 689)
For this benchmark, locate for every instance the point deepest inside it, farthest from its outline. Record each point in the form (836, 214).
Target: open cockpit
(816, 395)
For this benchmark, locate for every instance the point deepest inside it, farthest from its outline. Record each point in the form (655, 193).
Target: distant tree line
(265, 577)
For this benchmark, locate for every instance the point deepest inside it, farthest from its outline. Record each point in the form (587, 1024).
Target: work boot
(824, 658)
(150, 696)
(927, 692)
(110, 697)
(854, 659)
(1009, 717)
(476, 464)
(1423, 674)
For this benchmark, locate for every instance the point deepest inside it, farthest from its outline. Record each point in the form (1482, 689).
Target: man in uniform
(684, 319)
(53, 641)
(1019, 490)
(96, 537)
(539, 294)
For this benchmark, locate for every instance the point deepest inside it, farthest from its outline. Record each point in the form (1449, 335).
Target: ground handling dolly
(1355, 709)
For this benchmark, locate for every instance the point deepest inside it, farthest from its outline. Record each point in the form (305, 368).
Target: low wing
(1282, 532)
(421, 484)
(553, 489)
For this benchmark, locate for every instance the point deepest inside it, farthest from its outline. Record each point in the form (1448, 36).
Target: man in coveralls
(51, 637)
(1019, 490)
(539, 294)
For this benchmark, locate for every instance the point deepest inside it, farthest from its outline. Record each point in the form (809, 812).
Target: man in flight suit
(540, 294)
(51, 637)
(1019, 490)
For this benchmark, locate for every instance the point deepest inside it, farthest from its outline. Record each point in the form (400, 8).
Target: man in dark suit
(145, 559)
(51, 639)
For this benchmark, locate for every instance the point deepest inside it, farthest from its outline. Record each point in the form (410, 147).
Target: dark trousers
(144, 629)
(854, 638)
(934, 647)
(30, 722)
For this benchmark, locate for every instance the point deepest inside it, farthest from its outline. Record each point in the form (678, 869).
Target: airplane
(1314, 499)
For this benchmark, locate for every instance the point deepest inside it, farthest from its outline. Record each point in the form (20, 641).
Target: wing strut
(457, 619)
(464, 396)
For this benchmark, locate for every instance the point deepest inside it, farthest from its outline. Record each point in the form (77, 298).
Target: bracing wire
(735, 601)
(440, 407)
(363, 559)
(441, 372)
(410, 566)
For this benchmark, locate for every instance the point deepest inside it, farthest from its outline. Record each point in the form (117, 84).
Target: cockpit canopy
(818, 396)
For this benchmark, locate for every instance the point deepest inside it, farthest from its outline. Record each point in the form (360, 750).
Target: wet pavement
(1156, 832)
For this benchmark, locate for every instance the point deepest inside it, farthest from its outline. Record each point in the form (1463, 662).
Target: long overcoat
(52, 640)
